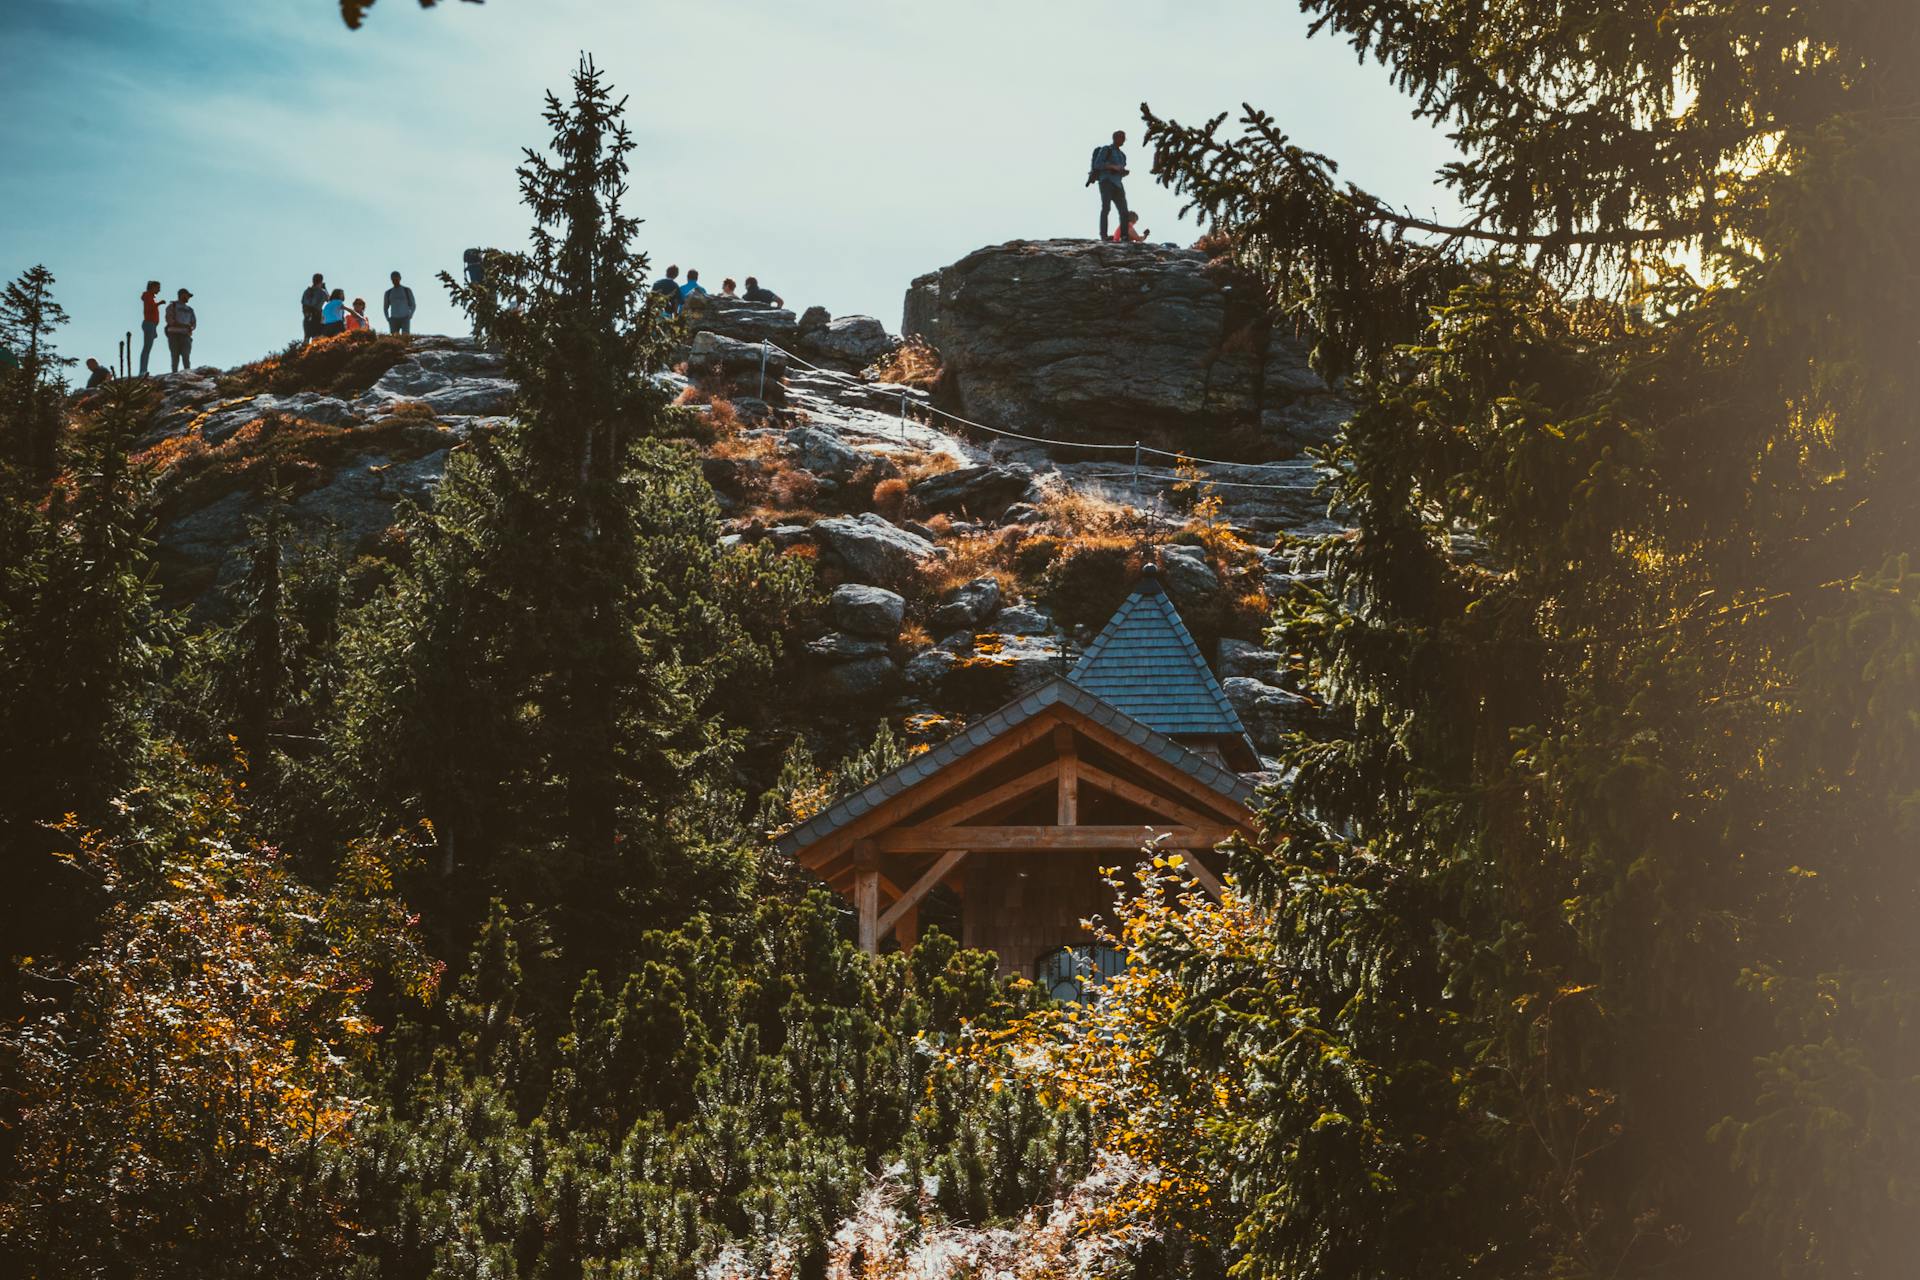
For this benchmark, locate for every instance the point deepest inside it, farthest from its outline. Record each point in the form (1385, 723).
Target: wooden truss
(891, 857)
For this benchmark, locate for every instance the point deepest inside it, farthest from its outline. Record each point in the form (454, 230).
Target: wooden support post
(1069, 759)
(866, 894)
(866, 898)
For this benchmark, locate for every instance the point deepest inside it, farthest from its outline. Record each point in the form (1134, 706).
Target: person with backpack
(399, 307)
(181, 322)
(149, 322)
(1108, 167)
(310, 304)
(692, 286)
(333, 314)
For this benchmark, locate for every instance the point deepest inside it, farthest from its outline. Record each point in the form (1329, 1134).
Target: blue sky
(836, 150)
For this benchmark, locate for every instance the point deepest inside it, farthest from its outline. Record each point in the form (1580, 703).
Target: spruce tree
(79, 649)
(31, 392)
(544, 679)
(1594, 907)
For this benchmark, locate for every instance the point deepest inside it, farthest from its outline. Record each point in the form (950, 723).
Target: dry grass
(914, 638)
(924, 466)
(981, 555)
(1082, 514)
(913, 363)
(789, 486)
(890, 497)
(344, 365)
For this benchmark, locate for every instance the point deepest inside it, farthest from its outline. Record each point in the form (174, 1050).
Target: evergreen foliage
(1599, 900)
(31, 387)
(80, 650)
(545, 677)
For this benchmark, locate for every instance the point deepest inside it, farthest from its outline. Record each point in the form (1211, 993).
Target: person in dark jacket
(181, 322)
(1108, 168)
(668, 287)
(755, 293)
(310, 303)
(97, 373)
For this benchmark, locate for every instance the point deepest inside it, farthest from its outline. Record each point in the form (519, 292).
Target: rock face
(741, 320)
(716, 355)
(967, 606)
(979, 491)
(1269, 713)
(871, 548)
(850, 342)
(867, 611)
(1079, 337)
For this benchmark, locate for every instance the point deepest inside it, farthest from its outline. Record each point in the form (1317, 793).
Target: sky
(835, 150)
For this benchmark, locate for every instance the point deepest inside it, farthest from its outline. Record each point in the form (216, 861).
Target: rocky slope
(962, 565)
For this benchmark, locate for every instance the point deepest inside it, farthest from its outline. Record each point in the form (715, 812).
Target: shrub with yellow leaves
(1157, 1112)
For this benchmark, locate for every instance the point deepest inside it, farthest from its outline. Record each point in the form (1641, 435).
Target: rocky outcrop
(867, 611)
(848, 343)
(1078, 338)
(967, 606)
(976, 491)
(871, 549)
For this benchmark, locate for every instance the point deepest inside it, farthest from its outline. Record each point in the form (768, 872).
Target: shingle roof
(1145, 663)
(986, 729)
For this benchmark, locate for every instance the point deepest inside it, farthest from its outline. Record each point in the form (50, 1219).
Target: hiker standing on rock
(1108, 167)
(399, 307)
(149, 322)
(181, 322)
(310, 303)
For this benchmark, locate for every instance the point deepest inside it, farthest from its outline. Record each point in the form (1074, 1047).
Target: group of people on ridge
(675, 292)
(324, 312)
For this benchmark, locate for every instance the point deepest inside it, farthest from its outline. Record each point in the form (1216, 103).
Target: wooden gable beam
(1046, 839)
(1024, 785)
(1101, 780)
(942, 783)
(1230, 810)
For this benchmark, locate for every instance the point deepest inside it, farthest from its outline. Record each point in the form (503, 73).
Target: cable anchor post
(763, 368)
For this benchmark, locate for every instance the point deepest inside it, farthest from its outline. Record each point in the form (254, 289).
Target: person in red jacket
(1128, 232)
(149, 322)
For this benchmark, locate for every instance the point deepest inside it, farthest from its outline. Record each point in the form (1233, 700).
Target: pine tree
(79, 648)
(1596, 898)
(544, 679)
(31, 392)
